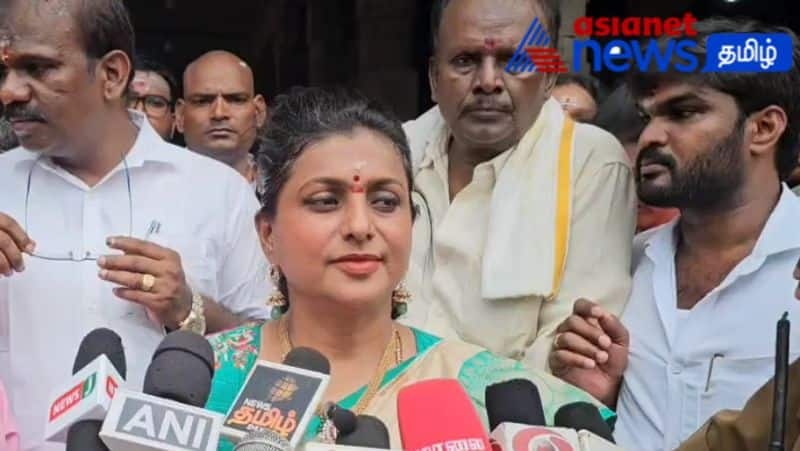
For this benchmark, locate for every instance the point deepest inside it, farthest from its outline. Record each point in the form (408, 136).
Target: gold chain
(394, 347)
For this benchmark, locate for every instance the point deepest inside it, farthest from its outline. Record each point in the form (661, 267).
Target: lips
(358, 264)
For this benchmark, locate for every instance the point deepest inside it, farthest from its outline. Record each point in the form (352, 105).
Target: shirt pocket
(197, 260)
(733, 381)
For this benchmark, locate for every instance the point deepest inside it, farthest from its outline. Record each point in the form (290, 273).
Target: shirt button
(676, 368)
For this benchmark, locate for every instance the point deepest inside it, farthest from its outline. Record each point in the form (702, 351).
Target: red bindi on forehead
(490, 43)
(357, 186)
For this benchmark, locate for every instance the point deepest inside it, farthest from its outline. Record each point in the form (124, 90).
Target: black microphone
(181, 369)
(343, 419)
(84, 435)
(779, 396)
(308, 359)
(369, 432)
(514, 401)
(583, 416)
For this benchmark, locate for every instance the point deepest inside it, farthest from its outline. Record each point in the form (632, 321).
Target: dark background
(378, 46)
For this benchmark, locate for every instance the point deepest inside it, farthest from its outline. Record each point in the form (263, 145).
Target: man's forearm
(219, 318)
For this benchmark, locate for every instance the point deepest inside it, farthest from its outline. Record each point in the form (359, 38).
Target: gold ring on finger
(148, 281)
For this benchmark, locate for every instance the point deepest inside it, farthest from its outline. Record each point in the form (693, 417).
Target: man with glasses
(103, 223)
(220, 113)
(153, 91)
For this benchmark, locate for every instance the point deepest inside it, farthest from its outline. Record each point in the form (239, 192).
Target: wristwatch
(196, 321)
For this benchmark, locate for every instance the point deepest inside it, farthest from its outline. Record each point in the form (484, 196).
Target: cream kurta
(447, 266)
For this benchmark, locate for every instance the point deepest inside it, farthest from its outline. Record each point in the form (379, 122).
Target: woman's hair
(307, 115)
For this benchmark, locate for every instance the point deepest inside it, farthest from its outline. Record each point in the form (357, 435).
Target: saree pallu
(236, 352)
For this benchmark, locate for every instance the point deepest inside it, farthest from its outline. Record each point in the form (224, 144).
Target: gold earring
(400, 299)
(277, 300)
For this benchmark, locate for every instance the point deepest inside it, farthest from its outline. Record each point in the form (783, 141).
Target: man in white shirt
(220, 113)
(698, 333)
(523, 211)
(102, 223)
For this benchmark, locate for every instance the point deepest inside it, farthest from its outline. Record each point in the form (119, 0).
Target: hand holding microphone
(590, 351)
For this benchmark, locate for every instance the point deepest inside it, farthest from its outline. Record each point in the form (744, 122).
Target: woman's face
(342, 228)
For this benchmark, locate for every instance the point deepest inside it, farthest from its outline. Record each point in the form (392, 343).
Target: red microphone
(437, 414)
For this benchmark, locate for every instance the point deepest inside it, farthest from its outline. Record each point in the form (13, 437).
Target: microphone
(343, 419)
(514, 401)
(583, 416)
(78, 406)
(517, 421)
(263, 441)
(169, 414)
(181, 369)
(369, 432)
(779, 396)
(281, 398)
(438, 414)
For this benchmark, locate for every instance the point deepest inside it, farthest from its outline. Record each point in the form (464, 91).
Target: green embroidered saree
(236, 352)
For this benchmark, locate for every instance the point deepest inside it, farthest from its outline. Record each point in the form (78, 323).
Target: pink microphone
(437, 414)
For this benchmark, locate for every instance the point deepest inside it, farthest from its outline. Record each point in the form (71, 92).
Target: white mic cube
(140, 422)
(87, 396)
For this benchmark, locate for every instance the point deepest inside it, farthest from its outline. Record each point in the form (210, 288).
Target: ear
(433, 73)
(179, 115)
(114, 71)
(266, 236)
(766, 128)
(261, 110)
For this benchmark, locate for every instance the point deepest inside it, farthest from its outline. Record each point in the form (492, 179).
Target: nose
(357, 224)
(14, 89)
(655, 134)
(488, 77)
(220, 108)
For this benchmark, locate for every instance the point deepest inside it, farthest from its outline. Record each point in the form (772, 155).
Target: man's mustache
(17, 112)
(654, 155)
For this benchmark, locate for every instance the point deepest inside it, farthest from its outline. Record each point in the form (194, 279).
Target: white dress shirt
(671, 387)
(205, 211)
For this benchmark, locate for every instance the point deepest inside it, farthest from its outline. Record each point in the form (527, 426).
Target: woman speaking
(335, 185)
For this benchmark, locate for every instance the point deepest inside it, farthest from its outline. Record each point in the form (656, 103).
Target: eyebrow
(339, 183)
(672, 102)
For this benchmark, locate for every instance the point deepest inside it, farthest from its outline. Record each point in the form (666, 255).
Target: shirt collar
(148, 146)
(437, 148)
(778, 235)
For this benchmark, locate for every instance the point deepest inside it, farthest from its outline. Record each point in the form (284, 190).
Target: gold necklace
(393, 348)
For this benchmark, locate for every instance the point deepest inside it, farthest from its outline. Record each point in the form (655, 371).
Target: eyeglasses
(154, 106)
(70, 256)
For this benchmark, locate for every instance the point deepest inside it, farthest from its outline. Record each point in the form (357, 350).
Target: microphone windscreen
(265, 440)
(85, 436)
(514, 401)
(369, 432)
(583, 416)
(343, 419)
(308, 359)
(182, 369)
(97, 342)
(439, 413)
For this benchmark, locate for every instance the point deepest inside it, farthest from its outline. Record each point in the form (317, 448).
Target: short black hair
(145, 63)
(619, 115)
(105, 26)
(550, 9)
(587, 82)
(752, 91)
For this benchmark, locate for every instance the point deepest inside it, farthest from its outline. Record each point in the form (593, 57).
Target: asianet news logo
(726, 52)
